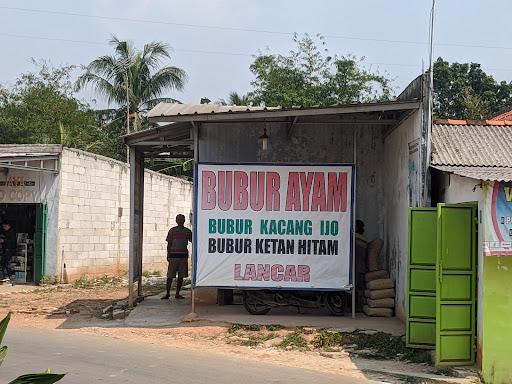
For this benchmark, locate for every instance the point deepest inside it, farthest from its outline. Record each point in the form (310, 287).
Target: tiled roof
(482, 145)
(503, 116)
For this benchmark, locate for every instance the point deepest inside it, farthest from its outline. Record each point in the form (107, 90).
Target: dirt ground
(79, 310)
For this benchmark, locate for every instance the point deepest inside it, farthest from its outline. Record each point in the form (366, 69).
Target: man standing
(8, 243)
(177, 255)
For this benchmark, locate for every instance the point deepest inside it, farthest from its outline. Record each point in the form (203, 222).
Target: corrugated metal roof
(472, 145)
(25, 155)
(175, 109)
(167, 112)
(479, 173)
(30, 149)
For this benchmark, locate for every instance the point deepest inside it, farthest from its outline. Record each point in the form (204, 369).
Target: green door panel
(455, 317)
(456, 284)
(455, 348)
(422, 307)
(456, 245)
(423, 250)
(40, 242)
(422, 334)
(456, 287)
(421, 282)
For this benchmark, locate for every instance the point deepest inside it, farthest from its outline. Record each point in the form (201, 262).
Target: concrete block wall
(94, 215)
(396, 203)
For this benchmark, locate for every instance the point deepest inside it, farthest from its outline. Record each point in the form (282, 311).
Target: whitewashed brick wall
(94, 213)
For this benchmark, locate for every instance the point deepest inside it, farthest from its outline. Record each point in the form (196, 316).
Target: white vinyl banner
(273, 226)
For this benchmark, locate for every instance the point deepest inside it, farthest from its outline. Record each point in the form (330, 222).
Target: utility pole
(127, 111)
(430, 95)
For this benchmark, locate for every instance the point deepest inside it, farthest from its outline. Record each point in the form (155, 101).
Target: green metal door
(421, 273)
(40, 242)
(456, 284)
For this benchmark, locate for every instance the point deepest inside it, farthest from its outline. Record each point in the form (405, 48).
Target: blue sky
(391, 35)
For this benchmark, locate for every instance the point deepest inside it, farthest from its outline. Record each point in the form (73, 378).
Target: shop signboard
(273, 226)
(20, 187)
(498, 219)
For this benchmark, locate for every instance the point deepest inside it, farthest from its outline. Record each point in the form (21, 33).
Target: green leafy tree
(465, 91)
(34, 378)
(41, 108)
(134, 75)
(309, 76)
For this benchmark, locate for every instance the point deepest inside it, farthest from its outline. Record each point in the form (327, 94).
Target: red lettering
(305, 184)
(257, 190)
(337, 191)
(208, 195)
(293, 192)
(318, 200)
(264, 272)
(303, 273)
(290, 273)
(250, 272)
(225, 192)
(272, 197)
(240, 181)
(277, 272)
(238, 268)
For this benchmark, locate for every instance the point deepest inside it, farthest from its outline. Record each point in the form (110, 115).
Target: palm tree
(239, 99)
(134, 75)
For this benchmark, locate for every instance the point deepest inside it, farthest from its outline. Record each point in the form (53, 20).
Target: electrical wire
(252, 30)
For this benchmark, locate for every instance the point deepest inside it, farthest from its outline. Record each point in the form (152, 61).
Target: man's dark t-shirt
(9, 240)
(177, 242)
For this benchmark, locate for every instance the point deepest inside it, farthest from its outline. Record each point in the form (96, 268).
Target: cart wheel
(336, 303)
(255, 306)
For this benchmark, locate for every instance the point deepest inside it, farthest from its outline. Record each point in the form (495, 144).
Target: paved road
(91, 358)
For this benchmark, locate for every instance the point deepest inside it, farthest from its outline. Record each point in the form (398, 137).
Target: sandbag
(381, 303)
(381, 274)
(373, 252)
(379, 293)
(380, 284)
(377, 312)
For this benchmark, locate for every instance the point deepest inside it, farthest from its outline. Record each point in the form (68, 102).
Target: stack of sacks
(379, 294)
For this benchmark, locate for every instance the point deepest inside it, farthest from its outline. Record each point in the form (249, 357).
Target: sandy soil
(76, 310)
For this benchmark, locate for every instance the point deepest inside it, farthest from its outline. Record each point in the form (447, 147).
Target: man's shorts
(177, 266)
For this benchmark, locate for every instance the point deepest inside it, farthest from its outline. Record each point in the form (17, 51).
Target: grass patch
(241, 327)
(275, 327)
(85, 282)
(327, 339)
(385, 346)
(295, 340)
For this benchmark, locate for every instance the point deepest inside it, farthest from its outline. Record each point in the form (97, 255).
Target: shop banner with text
(498, 219)
(273, 226)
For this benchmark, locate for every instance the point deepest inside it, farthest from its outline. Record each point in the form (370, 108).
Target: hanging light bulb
(264, 140)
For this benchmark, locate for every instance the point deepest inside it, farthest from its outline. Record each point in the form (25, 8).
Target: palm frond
(154, 52)
(165, 78)
(112, 92)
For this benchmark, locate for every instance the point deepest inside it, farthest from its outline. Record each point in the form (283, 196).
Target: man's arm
(169, 238)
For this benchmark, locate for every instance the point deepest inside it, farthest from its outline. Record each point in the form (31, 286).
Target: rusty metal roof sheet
(482, 145)
(479, 173)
